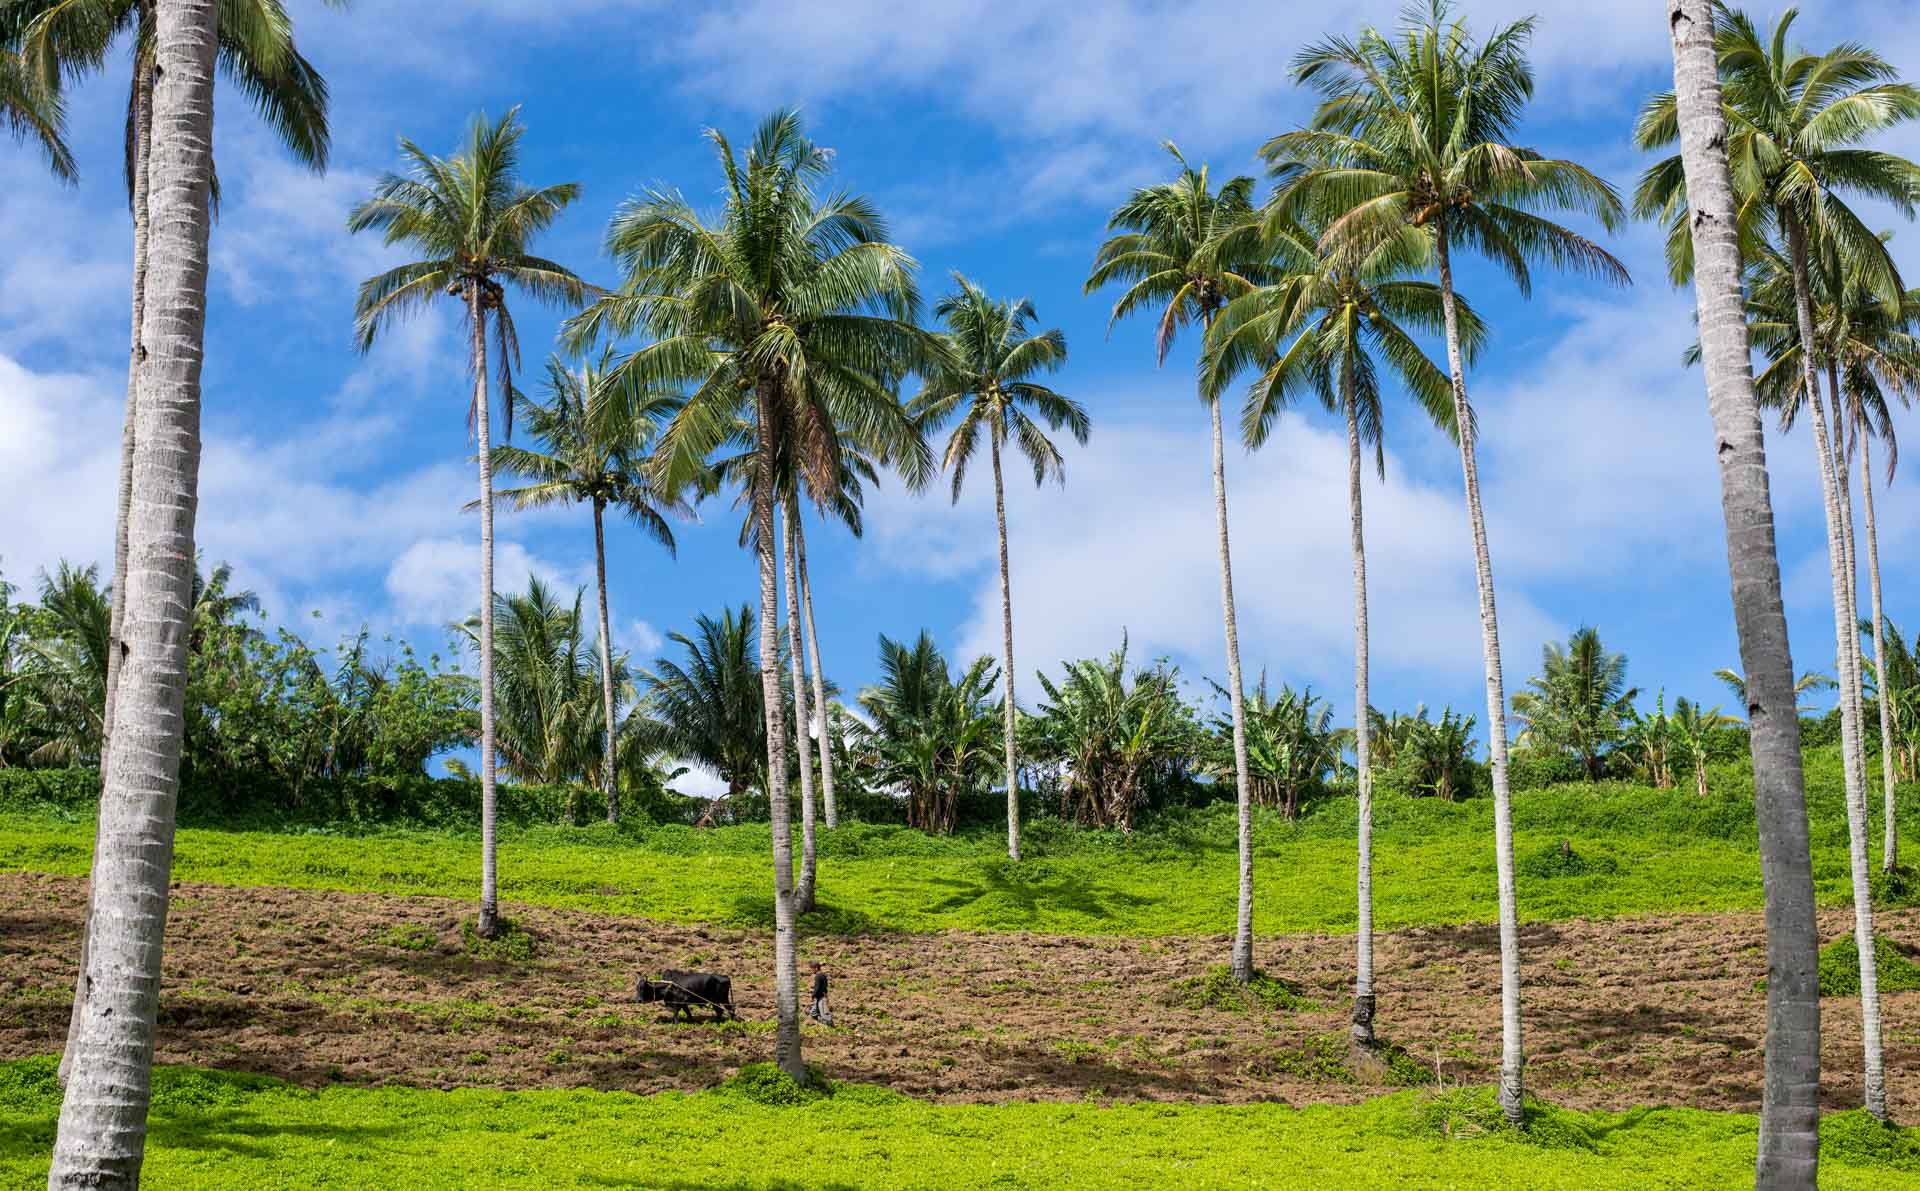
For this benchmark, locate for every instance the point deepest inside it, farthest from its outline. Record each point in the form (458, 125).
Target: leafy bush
(1840, 968)
(513, 944)
(1894, 890)
(1219, 990)
(1536, 769)
(1560, 860)
(40, 791)
(1464, 1113)
(1857, 1139)
(764, 1083)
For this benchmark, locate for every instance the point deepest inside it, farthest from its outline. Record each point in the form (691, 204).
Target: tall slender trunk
(1243, 922)
(819, 683)
(610, 738)
(1846, 630)
(1512, 1055)
(116, 646)
(489, 924)
(802, 714)
(1362, 733)
(786, 964)
(1890, 850)
(1852, 681)
(102, 1130)
(1789, 1149)
(1006, 643)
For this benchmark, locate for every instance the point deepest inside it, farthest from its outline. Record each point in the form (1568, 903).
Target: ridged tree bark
(786, 963)
(1890, 849)
(610, 736)
(1789, 1149)
(1006, 644)
(1512, 1053)
(102, 1129)
(1846, 631)
(489, 924)
(142, 138)
(802, 714)
(1243, 921)
(827, 805)
(1363, 1002)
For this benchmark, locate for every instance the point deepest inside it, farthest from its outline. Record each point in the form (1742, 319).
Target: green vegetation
(1634, 849)
(215, 1130)
(1219, 990)
(1840, 968)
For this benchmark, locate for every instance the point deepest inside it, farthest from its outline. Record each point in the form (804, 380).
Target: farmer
(820, 1011)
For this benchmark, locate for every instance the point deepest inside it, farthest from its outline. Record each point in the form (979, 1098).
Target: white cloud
(437, 580)
(60, 455)
(643, 641)
(698, 781)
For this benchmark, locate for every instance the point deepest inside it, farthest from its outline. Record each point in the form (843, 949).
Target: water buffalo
(683, 992)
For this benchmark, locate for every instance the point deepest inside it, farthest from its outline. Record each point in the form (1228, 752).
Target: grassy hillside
(211, 1130)
(1634, 850)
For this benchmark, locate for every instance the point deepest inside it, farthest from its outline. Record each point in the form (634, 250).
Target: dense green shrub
(1840, 968)
(1536, 769)
(1894, 890)
(1560, 860)
(764, 1083)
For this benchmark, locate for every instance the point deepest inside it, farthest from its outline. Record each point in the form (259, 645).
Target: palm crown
(992, 352)
(595, 433)
(35, 114)
(1184, 247)
(1795, 121)
(1324, 327)
(1415, 131)
(472, 220)
(790, 311)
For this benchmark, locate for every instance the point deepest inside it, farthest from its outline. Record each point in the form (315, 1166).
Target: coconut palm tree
(102, 1130)
(1187, 250)
(931, 729)
(996, 353)
(1789, 1148)
(1578, 701)
(1413, 130)
(706, 707)
(595, 436)
(64, 40)
(1809, 681)
(34, 114)
(1796, 122)
(1694, 729)
(1325, 327)
(791, 312)
(473, 221)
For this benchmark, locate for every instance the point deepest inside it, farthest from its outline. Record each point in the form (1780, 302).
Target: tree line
(761, 350)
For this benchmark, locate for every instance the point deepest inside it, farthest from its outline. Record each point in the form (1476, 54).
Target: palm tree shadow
(1023, 893)
(243, 1134)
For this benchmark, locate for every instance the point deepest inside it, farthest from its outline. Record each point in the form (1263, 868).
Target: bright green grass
(1637, 850)
(211, 1130)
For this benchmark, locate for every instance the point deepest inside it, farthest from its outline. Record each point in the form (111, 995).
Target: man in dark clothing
(820, 1012)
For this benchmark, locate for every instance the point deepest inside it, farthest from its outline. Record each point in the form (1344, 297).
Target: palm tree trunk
(1243, 922)
(1362, 732)
(1852, 682)
(1512, 1055)
(1890, 851)
(786, 963)
(1846, 629)
(802, 714)
(819, 684)
(489, 924)
(1006, 643)
(142, 140)
(1789, 1149)
(610, 738)
(102, 1130)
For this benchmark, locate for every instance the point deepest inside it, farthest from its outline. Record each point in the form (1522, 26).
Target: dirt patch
(323, 987)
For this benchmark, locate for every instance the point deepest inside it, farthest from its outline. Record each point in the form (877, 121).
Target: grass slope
(1635, 850)
(212, 1130)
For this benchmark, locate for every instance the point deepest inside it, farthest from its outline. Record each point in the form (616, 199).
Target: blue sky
(996, 140)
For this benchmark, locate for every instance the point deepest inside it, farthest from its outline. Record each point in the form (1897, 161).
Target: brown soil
(318, 987)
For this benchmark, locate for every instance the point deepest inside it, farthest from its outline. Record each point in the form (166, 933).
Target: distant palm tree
(931, 729)
(1694, 730)
(548, 686)
(1810, 680)
(101, 1137)
(595, 435)
(995, 353)
(1789, 1141)
(1796, 122)
(1324, 327)
(1413, 129)
(1188, 250)
(473, 221)
(793, 313)
(1578, 700)
(705, 707)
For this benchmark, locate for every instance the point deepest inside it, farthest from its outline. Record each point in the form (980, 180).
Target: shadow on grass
(756, 910)
(1030, 891)
(243, 1134)
(652, 1184)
